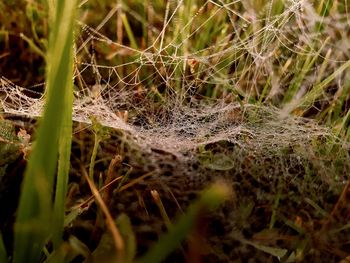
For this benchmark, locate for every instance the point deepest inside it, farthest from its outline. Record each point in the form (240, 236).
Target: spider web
(158, 90)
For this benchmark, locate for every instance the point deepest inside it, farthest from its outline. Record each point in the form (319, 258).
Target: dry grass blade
(104, 188)
(341, 206)
(118, 240)
(159, 203)
(136, 181)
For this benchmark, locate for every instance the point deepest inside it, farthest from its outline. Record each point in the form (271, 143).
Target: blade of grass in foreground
(33, 226)
(210, 199)
(64, 150)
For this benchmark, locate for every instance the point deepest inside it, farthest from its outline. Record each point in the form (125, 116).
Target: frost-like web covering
(188, 82)
(204, 90)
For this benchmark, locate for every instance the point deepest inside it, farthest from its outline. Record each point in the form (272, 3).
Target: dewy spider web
(180, 93)
(160, 92)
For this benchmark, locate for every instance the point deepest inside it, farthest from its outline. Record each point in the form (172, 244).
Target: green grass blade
(33, 225)
(308, 62)
(209, 199)
(64, 151)
(317, 90)
(33, 46)
(129, 32)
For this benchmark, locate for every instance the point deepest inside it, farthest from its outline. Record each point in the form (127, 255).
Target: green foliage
(35, 213)
(64, 153)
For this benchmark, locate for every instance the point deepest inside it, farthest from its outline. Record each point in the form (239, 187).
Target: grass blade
(35, 208)
(63, 169)
(317, 90)
(209, 199)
